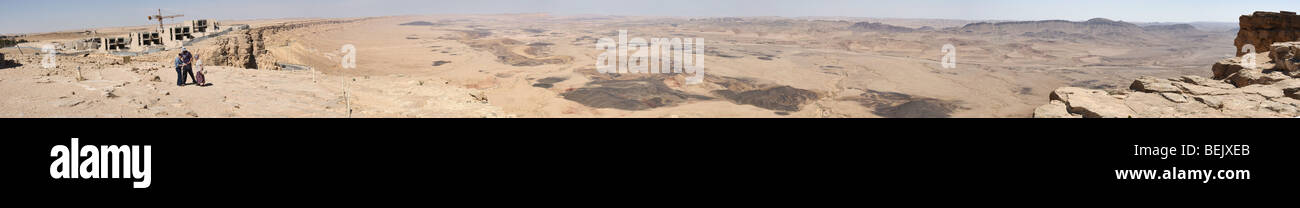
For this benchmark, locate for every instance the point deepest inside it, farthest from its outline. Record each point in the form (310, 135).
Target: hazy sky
(21, 16)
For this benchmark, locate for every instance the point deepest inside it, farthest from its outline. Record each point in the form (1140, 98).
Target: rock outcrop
(1262, 29)
(1286, 56)
(247, 49)
(1268, 87)
(1087, 104)
(5, 63)
(1186, 97)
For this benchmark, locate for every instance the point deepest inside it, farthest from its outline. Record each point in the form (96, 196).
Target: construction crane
(160, 18)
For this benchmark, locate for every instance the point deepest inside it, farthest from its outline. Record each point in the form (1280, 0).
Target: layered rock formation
(1262, 29)
(1267, 87)
(247, 49)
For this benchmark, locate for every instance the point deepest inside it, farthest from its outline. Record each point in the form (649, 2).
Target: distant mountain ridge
(878, 27)
(1092, 26)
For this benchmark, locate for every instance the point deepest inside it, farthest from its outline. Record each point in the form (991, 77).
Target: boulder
(1153, 85)
(1293, 93)
(1092, 103)
(1247, 77)
(1285, 56)
(1226, 67)
(1054, 109)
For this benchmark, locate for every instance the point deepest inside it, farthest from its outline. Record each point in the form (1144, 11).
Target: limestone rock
(1153, 85)
(1213, 102)
(1285, 56)
(1092, 103)
(1226, 67)
(1266, 91)
(1054, 109)
(1202, 81)
(1247, 77)
(1175, 97)
(1202, 90)
(1290, 88)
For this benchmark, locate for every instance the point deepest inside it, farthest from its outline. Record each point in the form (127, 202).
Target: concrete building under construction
(169, 37)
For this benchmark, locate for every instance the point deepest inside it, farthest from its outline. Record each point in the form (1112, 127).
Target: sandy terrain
(537, 65)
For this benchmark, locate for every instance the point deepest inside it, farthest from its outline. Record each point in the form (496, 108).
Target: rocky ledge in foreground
(1268, 89)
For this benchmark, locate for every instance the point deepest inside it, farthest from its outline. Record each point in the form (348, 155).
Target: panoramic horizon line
(589, 14)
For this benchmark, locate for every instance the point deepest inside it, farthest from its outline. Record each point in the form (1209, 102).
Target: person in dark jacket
(185, 67)
(180, 73)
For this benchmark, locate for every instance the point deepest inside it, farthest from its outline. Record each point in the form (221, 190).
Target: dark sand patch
(1093, 84)
(712, 52)
(418, 23)
(638, 94)
(782, 98)
(768, 96)
(552, 80)
(440, 63)
(899, 105)
(549, 82)
(501, 47)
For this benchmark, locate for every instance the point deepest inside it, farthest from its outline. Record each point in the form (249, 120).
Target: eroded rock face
(1262, 29)
(241, 50)
(246, 49)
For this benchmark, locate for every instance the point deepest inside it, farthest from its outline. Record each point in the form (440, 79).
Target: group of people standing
(185, 67)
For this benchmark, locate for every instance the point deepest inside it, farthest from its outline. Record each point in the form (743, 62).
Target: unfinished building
(113, 43)
(146, 39)
(174, 36)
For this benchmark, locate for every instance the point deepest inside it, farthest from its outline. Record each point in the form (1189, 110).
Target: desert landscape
(543, 66)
